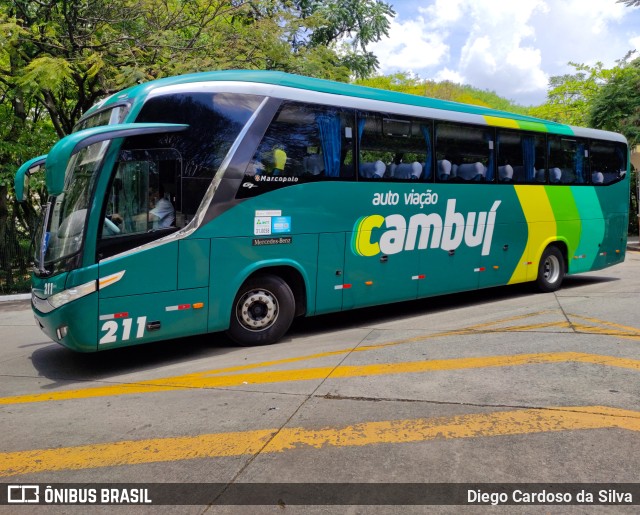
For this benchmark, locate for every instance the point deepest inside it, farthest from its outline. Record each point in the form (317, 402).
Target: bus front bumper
(72, 325)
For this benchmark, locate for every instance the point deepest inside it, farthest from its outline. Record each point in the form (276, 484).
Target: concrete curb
(18, 296)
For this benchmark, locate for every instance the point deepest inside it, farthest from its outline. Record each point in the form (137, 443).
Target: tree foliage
(616, 107)
(446, 90)
(58, 57)
(570, 96)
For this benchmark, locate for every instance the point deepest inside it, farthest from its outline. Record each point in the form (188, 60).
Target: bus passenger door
(330, 276)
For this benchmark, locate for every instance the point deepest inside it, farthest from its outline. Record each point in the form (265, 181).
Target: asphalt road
(498, 386)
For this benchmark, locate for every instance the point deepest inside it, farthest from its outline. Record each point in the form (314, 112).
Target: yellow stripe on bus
(496, 121)
(542, 227)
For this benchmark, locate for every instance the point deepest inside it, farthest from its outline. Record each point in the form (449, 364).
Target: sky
(511, 47)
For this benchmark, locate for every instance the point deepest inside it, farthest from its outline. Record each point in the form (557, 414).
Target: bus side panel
(148, 271)
(615, 241)
(193, 264)
(379, 279)
(541, 230)
(135, 319)
(446, 272)
(330, 272)
(233, 260)
(590, 255)
(568, 224)
(509, 240)
(614, 201)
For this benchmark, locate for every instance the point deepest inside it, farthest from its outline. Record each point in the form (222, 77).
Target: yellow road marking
(611, 328)
(223, 378)
(206, 380)
(157, 450)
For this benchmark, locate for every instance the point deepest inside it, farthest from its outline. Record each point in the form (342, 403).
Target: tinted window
(464, 153)
(521, 157)
(394, 148)
(160, 179)
(214, 119)
(567, 161)
(608, 162)
(303, 143)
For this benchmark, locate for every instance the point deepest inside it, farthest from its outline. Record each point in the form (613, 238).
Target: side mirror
(21, 182)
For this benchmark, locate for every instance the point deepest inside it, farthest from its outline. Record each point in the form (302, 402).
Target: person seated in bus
(540, 175)
(163, 214)
(268, 162)
(279, 160)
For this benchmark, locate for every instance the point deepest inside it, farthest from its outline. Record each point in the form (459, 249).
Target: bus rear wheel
(263, 310)
(550, 270)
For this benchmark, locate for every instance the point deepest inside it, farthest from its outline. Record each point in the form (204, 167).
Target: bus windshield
(62, 231)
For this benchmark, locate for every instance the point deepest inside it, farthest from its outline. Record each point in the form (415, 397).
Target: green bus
(237, 200)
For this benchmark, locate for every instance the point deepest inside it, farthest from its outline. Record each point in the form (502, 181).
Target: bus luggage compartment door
(379, 279)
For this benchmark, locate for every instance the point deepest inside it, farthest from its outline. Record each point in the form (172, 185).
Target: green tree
(406, 83)
(356, 23)
(57, 58)
(570, 95)
(616, 106)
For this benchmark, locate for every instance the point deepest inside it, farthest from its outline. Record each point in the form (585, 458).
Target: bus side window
(608, 162)
(520, 157)
(465, 152)
(394, 148)
(568, 160)
(303, 143)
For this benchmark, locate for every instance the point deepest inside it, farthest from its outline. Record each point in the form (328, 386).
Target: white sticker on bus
(112, 329)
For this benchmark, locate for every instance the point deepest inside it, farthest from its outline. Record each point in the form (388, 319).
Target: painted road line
(135, 452)
(206, 380)
(473, 329)
(610, 328)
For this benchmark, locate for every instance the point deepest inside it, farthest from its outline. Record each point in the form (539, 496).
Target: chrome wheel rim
(257, 310)
(551, 272)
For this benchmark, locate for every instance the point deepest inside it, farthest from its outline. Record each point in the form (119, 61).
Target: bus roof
(273, 78)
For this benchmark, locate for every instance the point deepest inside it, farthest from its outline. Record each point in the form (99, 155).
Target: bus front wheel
(263, 310)
(550, 270)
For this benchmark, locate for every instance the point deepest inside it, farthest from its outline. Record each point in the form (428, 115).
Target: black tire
(262, 311)
(550, 270)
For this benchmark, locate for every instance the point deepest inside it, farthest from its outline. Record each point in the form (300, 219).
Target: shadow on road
(63, 366)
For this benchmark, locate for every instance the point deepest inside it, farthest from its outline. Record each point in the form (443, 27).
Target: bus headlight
(62, 298)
